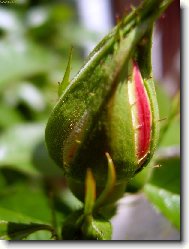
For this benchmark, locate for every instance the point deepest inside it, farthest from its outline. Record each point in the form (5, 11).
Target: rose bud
(132, 127)
(109, 106)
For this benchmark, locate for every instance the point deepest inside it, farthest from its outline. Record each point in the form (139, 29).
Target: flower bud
(132, 124)
(110, 106)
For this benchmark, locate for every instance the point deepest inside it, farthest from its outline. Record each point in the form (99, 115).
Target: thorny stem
(106, 44)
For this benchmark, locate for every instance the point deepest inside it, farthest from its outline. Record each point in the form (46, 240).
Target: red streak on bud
(143, 114)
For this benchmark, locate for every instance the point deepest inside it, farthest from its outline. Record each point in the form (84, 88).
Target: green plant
(84, 136)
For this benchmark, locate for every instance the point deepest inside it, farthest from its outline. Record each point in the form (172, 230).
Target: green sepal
(110, 184)
(66, 79)
(90, 193)
(98, 198)
(120, 133)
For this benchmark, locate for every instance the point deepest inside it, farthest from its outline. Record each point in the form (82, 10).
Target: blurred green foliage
(35, 40)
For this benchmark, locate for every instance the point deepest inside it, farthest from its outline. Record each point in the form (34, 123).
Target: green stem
(54, 221)
(154, 8)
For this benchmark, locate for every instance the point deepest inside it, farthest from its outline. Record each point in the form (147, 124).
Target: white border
(185, 165)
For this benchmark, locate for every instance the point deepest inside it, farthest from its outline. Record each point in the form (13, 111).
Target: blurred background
(35, 40)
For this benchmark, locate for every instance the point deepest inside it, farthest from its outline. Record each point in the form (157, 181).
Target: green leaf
(138, 181)
(80, 227)
(102, 228)
(19, 231)
(22, 147)
(17, 145)
(6, 214)
(167, 202)
(68, 202)
(27, 94)
(167, 175)
(163, 189)
(169, 117)
(12, 116)
(172, 134)
(41, 235)
(25, 202)
(164, 102)
(22, 60)
(96, 228)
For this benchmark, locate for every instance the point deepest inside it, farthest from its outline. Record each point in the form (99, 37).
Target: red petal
(143, 114)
